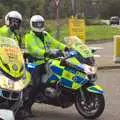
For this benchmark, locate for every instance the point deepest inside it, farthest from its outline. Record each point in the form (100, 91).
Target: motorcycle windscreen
(77, 44)
(11, 59)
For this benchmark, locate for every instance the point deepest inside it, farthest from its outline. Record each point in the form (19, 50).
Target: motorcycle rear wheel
(92, 106)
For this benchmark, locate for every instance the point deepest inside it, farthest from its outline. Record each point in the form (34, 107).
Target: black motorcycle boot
(24, 113)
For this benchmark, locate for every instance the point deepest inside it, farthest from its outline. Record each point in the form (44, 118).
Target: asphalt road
(109, 80)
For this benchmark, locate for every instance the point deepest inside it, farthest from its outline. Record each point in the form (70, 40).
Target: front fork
(18, 104)
(82, 95)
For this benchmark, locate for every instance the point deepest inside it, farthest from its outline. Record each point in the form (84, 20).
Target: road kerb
(108, 67)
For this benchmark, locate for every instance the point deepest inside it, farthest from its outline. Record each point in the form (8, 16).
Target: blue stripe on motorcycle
(100, 92)
(53, 77)
(70, 69)
(80, 80)
(30, 65)
(97, 91)
(66, 83)
(1, 94)
(56, 70)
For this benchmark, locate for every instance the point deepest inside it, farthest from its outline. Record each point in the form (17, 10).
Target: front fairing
(67, 76)
(13, 75)
(73, 76)
(11, 59)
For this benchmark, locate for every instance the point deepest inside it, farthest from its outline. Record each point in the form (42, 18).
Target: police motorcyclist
(38, 43)
(12, 25)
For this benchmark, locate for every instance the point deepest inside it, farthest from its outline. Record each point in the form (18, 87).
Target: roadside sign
(77, 28)
(116, 56)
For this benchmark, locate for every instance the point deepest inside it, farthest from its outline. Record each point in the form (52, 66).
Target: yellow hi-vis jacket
(36, 48)
(6, 32)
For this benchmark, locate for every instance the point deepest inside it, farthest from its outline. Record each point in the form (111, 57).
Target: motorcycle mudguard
(95, 89)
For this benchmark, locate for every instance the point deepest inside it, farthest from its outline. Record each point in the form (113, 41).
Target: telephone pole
(57, 3)
(73, 7)
(77, 7)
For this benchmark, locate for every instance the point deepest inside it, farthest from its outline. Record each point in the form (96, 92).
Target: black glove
(66, 49)
(54, 54)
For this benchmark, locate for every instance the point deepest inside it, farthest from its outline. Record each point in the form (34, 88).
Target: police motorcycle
(71, 80)
(13, 76)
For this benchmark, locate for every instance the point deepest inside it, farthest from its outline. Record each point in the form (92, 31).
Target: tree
(110, 8)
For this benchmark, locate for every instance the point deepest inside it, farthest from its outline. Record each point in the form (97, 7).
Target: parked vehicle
(114, 20)
(71, 80)
(13, 76)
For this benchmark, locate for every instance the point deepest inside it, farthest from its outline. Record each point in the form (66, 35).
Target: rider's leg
(36, 88)
(37, 84)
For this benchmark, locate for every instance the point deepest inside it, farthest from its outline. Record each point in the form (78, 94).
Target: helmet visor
(38, 24)
(14, 22)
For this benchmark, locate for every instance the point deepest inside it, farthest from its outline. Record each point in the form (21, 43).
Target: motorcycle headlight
(91, 72)
(88, 69)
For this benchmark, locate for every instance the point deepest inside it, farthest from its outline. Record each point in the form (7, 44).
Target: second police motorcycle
(13, 78)
(71, 80)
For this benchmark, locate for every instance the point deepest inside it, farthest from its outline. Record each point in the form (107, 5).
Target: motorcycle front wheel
(91, 105)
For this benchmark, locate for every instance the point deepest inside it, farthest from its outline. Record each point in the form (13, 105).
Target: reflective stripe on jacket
(37, 48)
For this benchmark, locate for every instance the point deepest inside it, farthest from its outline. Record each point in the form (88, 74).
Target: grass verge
(93, 32)
(101, 32)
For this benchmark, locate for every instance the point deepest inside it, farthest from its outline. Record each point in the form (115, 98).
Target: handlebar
(63, 55)
(66, 55)
(63, 59)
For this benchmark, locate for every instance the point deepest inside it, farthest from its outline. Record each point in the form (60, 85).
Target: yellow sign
(77, 28)
(116, 57)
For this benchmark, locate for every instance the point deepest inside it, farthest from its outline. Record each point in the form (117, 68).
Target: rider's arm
(4, 31)
(55, 44)
(32, 47)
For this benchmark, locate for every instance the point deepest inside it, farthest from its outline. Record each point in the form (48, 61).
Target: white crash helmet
(37, 23)
(12, 14)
